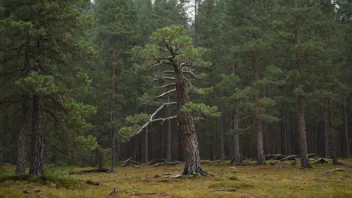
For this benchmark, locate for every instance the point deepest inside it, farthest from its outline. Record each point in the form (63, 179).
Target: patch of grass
(281, 180)
(230, 185)
(233, 178)
(59, 181)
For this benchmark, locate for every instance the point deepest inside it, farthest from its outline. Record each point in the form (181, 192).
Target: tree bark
(266, 132)
(168, 143)
(221, 135)
(347, 145)
(37, 157)
(300, 105)
(146, 148)
(236, 139)
(37, 152)
(113, 109)
(326, 133)
(258, 121)
(332, 144)
(188, 132)
(23, 136)
(302, 133)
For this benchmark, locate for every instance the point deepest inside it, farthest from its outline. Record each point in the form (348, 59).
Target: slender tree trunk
(113, 109)
(117, 148)
(188, 132)
(23, 136)
(258, 121)
(300, 107)
(135, 148)
(236, 139)
(332, 144)
(266, 132)
(37, 152)
(221, 135)
(195, 23)
(213, 145)
(326, 133)
(37, 157)
(146, 150)
(168, 144)
(347, 146)
(302, 133)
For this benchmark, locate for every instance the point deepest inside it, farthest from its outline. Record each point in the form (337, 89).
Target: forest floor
(280, 180)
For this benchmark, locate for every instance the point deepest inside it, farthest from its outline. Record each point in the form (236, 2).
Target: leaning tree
(171, 58)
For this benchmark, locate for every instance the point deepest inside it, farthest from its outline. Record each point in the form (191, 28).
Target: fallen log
(312, 155)
(335, 170)
(99, 170)
(166, 164)
(320, 161)
(289, 157)
(157, 160)
(274, 156)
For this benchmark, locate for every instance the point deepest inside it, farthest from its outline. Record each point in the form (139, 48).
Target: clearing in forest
(279, 180)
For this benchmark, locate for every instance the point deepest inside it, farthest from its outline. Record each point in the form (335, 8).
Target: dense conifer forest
(115, 83)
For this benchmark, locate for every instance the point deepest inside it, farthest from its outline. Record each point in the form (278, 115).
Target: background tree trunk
(302, 133)
(332, 132)
(37, 157)
(221, 134)
(146, 145)
(169, 134)
(37, 152)
(347, 145)
(326, 133)
(23, 136)
(236, 139)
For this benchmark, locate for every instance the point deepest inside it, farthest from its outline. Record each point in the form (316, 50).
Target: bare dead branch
(168, 85)
(161, 95)
(168, 78)
(151, 119)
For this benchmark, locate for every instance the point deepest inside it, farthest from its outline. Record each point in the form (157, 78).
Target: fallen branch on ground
(289, 157)
(157, 160)
(335, 170)
(320, 161)
(99, 170)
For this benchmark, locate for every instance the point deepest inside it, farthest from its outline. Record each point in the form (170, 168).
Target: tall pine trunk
(37, 156)
(266, 132)
(146, 144)
(113, 109)
(37, 152)
(23, 136)
(188, 133)
(168, 143)
(326, 133)
(300, 106)
(347, 146)
(332, 144)
(236, 139)
(221, 135)
(258, 120)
